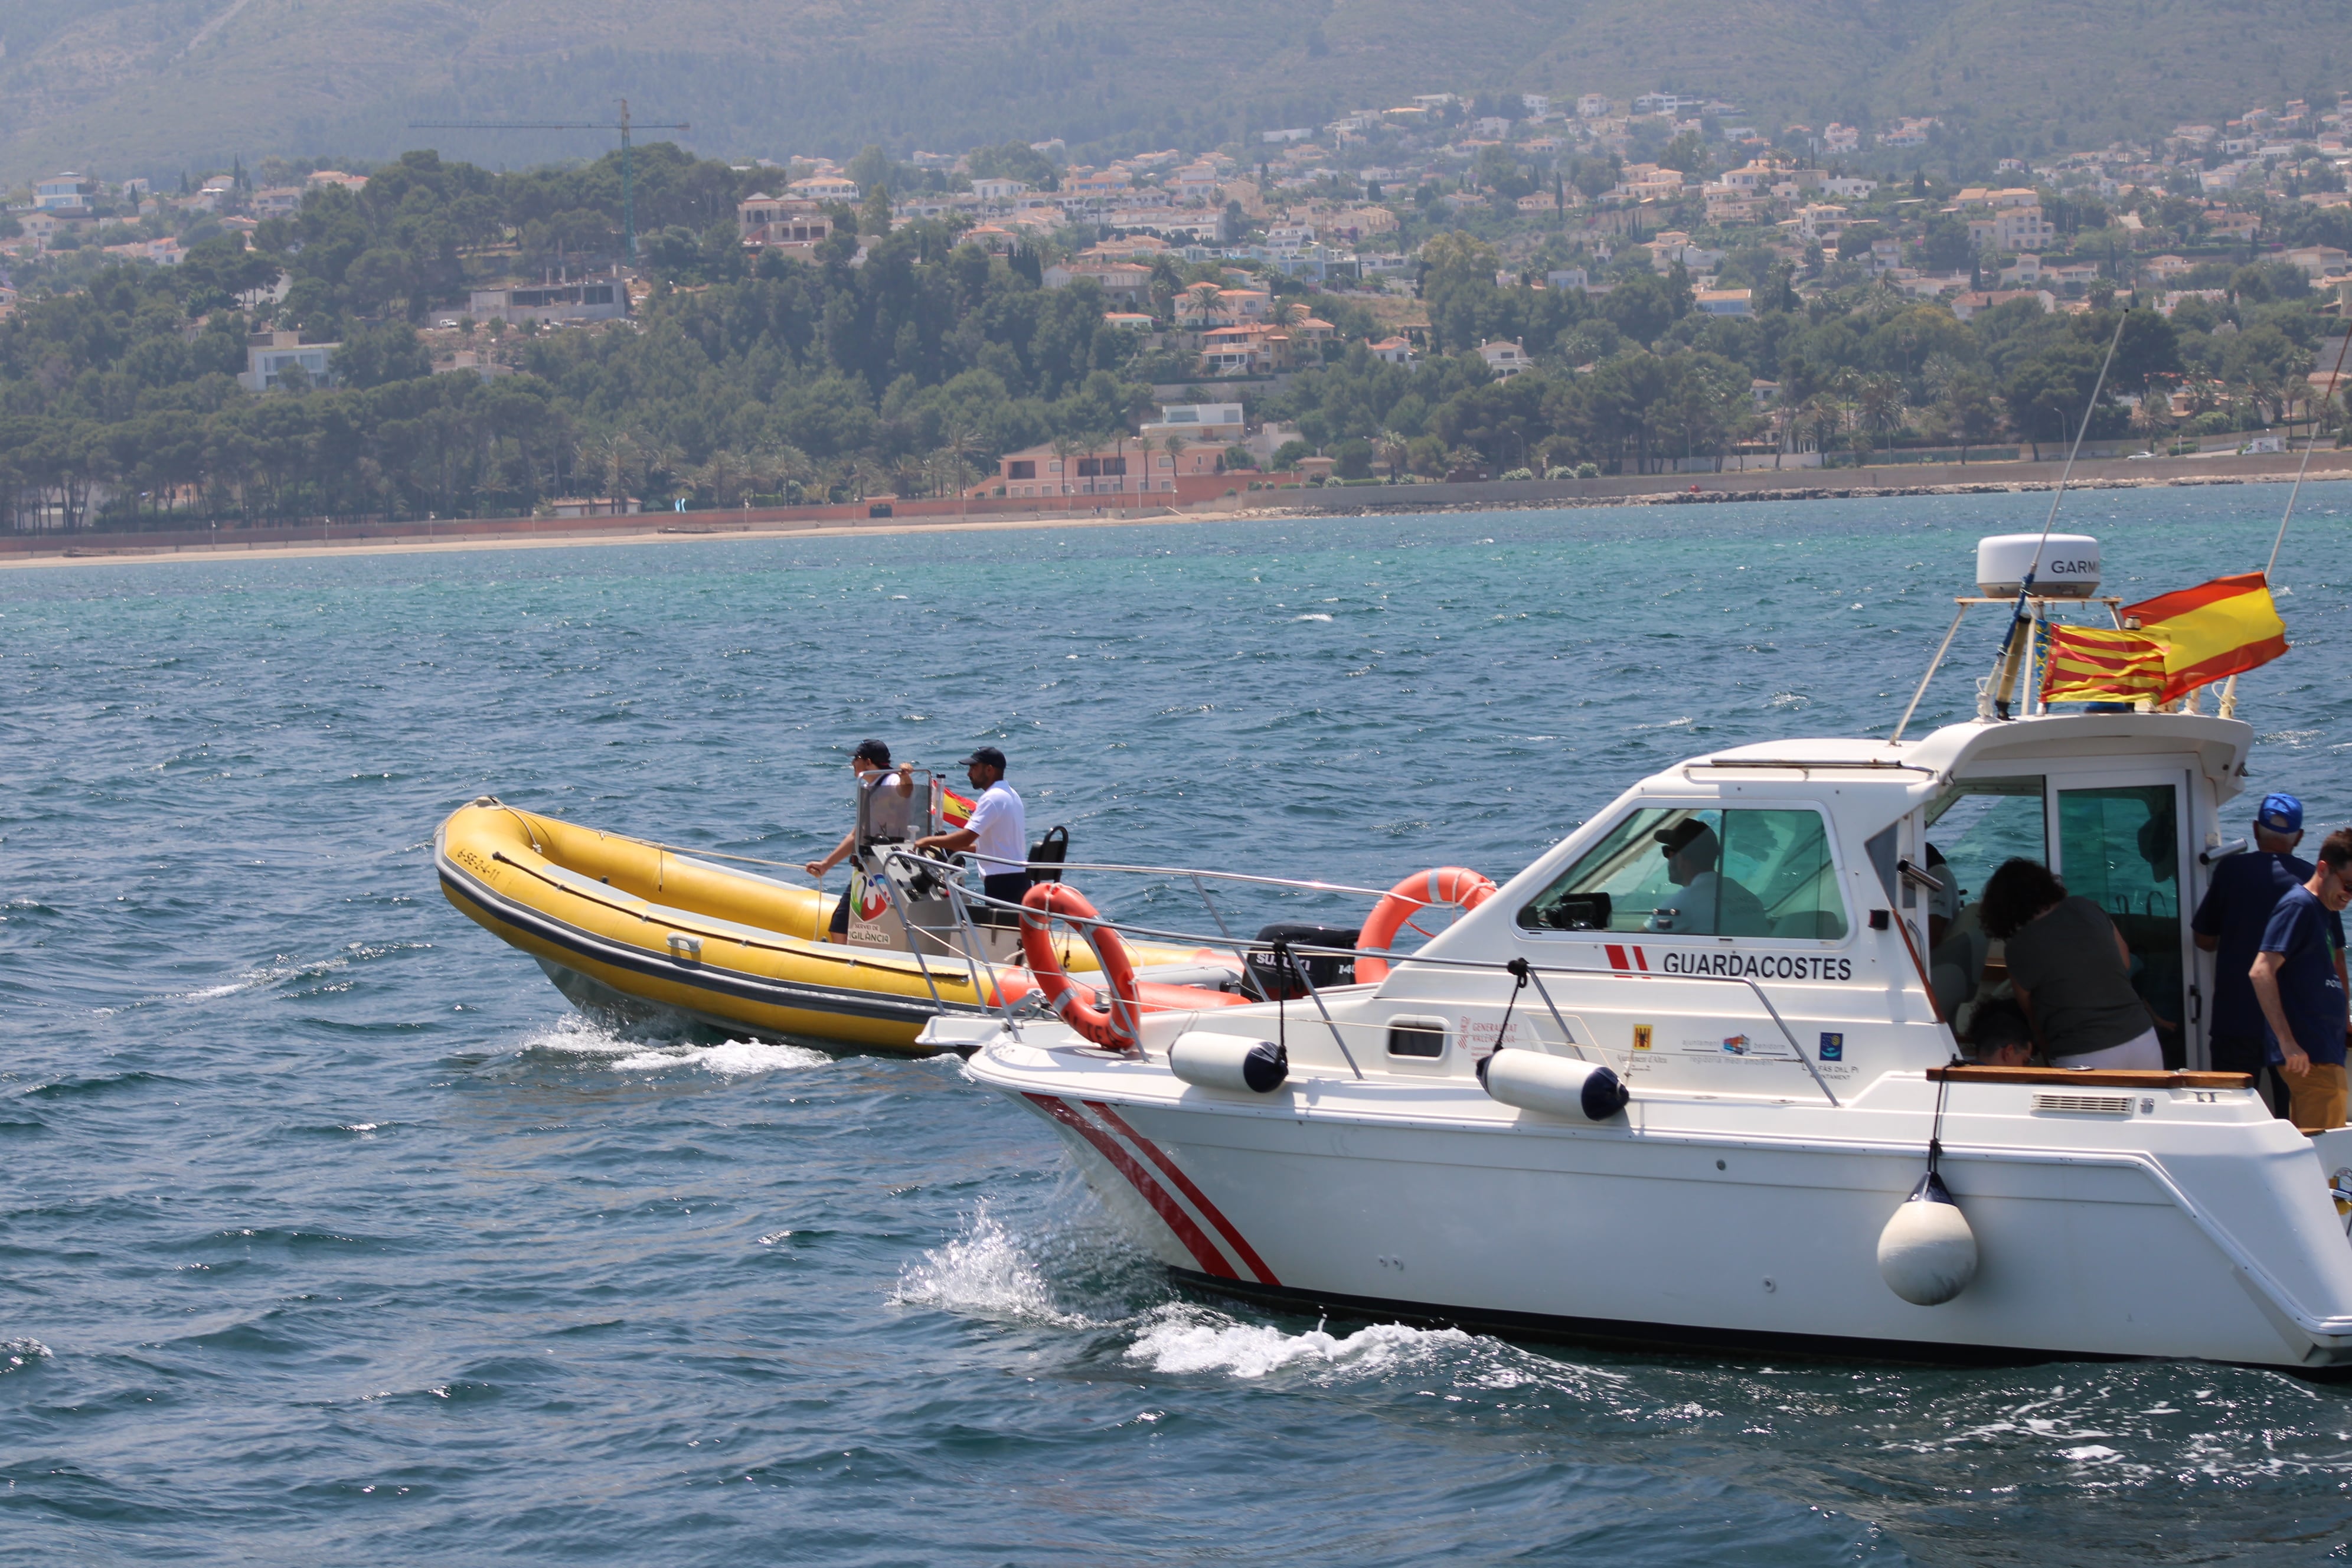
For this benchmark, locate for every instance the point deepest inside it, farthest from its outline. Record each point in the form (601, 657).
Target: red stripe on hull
(1167, 1208)
(1242, 1249)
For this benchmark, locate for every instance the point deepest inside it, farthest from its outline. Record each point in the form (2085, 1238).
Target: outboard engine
(1273, 981)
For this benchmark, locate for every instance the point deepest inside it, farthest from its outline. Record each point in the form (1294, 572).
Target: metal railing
(1520, 971)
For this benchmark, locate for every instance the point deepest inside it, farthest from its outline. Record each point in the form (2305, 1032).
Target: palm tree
(1882, 404)
(961, 440)
(1174, 446)
(792, 467)
(1062, 446)
(1394, 450)
(613, 458)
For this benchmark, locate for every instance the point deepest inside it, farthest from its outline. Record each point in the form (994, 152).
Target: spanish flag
(954, 810)
(2210, 633)
(2095, 664)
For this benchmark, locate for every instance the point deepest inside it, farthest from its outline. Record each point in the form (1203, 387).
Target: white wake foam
(986, 1273)
(729, 1058)
(577, 1035)
(1186, 1339)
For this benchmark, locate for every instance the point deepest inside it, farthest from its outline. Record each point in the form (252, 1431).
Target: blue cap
(2280, 814)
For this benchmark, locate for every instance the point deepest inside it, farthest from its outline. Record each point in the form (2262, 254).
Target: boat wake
(576, 1034)
(1181, 1338)
(986, 1272)
(1081, 1275)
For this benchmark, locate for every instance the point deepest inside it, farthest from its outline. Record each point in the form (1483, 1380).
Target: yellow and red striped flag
(2211, 632)
(954, 810)
(2097, 664)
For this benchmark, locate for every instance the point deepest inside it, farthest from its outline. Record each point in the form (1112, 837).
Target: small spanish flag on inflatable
(954, 810)
(2210, 633)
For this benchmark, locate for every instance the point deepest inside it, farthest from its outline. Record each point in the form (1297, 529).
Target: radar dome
(2069, 567)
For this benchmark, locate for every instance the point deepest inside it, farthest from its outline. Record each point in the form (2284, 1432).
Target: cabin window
(1421, 1038)
(1693, 871)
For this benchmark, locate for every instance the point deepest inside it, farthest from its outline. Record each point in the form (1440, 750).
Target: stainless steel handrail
(1473, 964)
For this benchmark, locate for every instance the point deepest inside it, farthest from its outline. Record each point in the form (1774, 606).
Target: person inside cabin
(886, 789)
(2000, 1035)
(2297, 981)
(2230, 922)
(996, 836)
(1709, 903)
(2070, 971)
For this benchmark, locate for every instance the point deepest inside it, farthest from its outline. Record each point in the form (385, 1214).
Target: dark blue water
(329, 1234)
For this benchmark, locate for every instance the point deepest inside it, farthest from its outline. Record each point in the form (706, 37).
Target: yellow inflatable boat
(652, 932)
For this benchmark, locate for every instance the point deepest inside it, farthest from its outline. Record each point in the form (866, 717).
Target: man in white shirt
(997, 835)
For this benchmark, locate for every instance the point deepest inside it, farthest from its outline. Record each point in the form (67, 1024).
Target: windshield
(1693, 871)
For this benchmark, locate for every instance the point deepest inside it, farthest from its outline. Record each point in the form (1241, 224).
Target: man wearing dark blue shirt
(2230, 922)
(2302, 994)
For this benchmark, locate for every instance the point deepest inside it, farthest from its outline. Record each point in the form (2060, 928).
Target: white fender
(1928, 1254)
(1228, 1061)
(1557, 1085)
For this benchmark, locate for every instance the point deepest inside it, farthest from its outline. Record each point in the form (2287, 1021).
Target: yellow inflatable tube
(614, 919)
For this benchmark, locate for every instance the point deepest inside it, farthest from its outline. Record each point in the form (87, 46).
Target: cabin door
(2121, 845)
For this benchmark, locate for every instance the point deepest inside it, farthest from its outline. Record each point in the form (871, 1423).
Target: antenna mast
(628, 180)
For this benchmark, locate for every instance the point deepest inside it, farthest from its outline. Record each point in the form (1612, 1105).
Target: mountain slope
(121, 87)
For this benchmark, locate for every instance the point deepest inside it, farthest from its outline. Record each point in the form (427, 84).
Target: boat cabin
(1837, 880)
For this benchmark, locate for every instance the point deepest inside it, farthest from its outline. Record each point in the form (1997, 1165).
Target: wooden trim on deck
(2091, 1078)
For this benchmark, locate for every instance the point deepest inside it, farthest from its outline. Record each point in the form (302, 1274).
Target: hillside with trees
(149, 86)
(743, 377)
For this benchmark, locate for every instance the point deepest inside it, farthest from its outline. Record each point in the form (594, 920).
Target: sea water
(329, 1233)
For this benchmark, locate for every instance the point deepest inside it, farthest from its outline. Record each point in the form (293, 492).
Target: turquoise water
(329, 1232)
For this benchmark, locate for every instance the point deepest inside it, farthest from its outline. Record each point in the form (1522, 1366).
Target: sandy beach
(1991, 478)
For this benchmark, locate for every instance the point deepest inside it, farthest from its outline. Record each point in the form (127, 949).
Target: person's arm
(2264, 974)
(955, 841)
(2025, 1006)
(2207, 922)
(2343, 988)
(817, 868)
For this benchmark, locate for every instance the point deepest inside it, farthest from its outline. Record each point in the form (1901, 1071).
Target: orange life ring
(1455, 885)
(1114, 1029)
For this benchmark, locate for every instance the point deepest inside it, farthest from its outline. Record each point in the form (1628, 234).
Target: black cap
(987, 756)
(1683, 835)
(874, 751)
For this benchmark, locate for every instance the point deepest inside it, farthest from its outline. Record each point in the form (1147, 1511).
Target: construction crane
(628, 205)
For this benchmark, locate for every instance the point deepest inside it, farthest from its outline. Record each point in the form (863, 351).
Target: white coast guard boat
(1616, 1100)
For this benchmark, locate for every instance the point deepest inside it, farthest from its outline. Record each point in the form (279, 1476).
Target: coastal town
(1789, 295)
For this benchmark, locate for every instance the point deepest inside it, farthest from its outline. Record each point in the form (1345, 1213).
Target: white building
(1504, 359)
(66, 192)
(1197, 422)
(269, 356)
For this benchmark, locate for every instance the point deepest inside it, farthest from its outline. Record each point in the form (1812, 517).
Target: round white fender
(1928, 1254)
(1557, 1086)
(1228, 1061)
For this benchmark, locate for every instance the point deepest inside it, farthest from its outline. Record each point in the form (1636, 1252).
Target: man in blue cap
(2237, 907)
